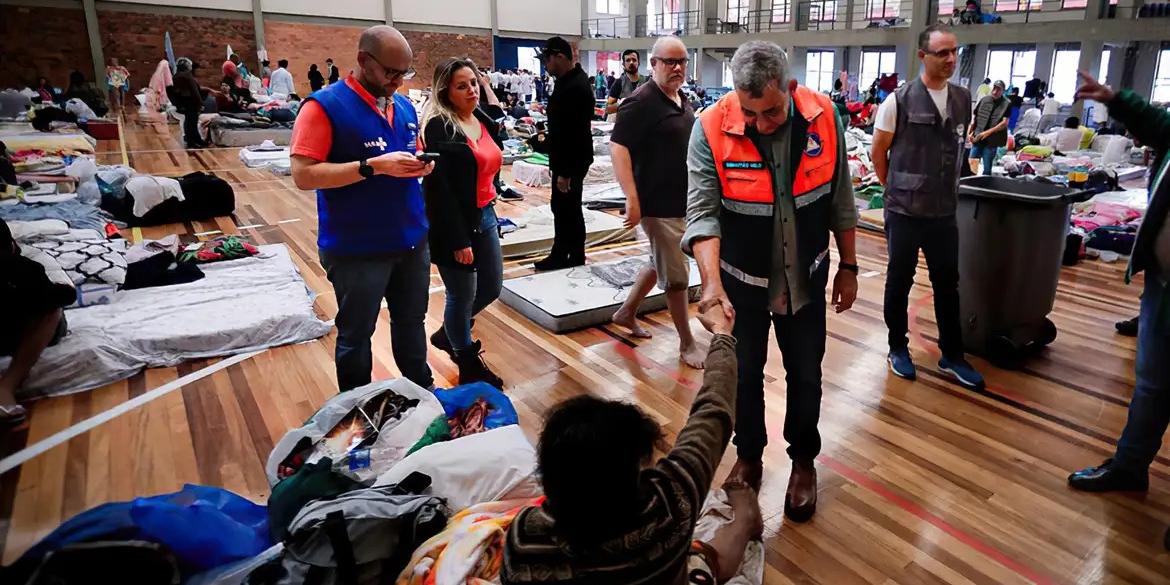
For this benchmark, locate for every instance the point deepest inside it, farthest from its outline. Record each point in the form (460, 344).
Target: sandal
(12, 415)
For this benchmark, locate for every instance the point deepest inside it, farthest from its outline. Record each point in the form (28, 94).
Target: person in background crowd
(515, 109)
(25, 333)
(515, 82)
(838, 93)
(316, 80)
(1149, 409)
(609, 81)
(984, 89)
(281, 83)
(625, 85)
(265, 71)
(649, 151)
(920, 165)
(498, 84)
(570, 152)
(233, 77)
(87, 92)
(44, 90)
(1014, 113)
(989, 128)
(1069, 137)
(460, 197)
(118, 82)
(372, 224)
(189, 102)
(599, 84)
(334, 74)
(541, 81)
(1051, 105)
(642, 530)
(768, 181)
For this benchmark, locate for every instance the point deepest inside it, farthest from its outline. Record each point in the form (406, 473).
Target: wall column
(258, 26)
(390, 12)
(95, 42)
(797, 63)
(1044, 54)
(1090, 61)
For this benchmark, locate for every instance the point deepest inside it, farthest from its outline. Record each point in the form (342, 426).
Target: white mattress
(228, 136)
(239, 306)
(574, 298)
(526, 173)
(535, 235)
(263, 158)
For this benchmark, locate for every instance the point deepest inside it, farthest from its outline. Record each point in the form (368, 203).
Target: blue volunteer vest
(376, 215)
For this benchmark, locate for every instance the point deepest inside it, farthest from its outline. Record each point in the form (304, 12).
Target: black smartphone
(427, 157)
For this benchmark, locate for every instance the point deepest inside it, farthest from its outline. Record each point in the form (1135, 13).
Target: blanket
(51, 143)
(241, 305)
(78, 215)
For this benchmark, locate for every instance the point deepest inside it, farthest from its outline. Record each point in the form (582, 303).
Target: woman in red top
(464, 234)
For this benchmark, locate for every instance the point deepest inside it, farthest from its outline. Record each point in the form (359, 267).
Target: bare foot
(746, 504)
(693, 356)
(630, 321)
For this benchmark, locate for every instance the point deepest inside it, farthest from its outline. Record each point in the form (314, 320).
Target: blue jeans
(361, 282)
(986, 154)
(471, 290)
(1149, 410)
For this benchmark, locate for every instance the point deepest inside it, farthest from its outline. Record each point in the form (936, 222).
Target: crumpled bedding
(603, 196)
(78, 215)
(601, 171)
(718, 513)
(77, 143)
(241, 305)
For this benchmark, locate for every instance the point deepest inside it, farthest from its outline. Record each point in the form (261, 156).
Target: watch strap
(850, 267)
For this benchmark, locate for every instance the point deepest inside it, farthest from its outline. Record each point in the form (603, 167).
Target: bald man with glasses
(355, 143)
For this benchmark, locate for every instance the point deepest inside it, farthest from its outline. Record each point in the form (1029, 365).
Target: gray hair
(757, 64)
(663, 42)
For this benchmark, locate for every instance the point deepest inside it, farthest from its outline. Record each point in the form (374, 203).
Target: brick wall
(42, 41)
(136, 40)
(304, 44)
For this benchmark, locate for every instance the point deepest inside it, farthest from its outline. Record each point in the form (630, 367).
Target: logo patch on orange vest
(813, 146)
(743, 164)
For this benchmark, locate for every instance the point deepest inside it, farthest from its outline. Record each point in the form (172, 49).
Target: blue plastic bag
(204, 527)
(460, 397)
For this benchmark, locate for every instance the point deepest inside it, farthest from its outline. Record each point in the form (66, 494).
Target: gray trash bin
(1011, 239)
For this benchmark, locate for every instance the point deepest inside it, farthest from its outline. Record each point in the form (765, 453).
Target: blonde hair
(439, 104)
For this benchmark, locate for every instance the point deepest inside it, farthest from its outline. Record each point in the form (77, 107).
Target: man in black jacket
(570, 116)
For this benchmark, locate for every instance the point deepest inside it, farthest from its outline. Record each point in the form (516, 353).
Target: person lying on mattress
(33, 320)
(611, 518)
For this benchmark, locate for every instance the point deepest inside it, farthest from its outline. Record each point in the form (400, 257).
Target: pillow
(52, 268)
(88, 260)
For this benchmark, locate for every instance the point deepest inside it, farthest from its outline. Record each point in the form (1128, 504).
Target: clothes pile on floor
(1106, 226)
(1113, 153)
(145, 200)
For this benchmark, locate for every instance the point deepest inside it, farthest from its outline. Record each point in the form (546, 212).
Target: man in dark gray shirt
(624, 86)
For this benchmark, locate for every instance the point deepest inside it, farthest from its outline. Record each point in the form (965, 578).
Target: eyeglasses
(943, 53)
(390, 72)
(671, 63)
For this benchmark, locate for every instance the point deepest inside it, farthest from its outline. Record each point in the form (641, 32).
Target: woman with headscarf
(157, 97)
(316, 80)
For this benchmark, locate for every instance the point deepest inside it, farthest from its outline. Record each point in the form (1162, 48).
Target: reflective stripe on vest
(743, 174)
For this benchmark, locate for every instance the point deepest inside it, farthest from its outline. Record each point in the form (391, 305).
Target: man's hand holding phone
(401, 164)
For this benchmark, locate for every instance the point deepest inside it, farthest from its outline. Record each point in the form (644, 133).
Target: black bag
(128, 562)
(206, 196)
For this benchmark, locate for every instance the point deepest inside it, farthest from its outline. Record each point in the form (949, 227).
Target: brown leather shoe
(750, 473)
(800, 503)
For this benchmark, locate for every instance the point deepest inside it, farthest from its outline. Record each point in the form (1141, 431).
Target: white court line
(24, 455)
(870, 274)
(251, 226)
(208, 233)
(289, 220)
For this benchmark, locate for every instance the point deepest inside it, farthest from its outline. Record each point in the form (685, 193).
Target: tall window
(874, 64)
(609, 6)
(1013, 66)
(737, 10)
(877, 9)
(1103, 72)
(818, 70)
(1017, 5)
(1064, 74)
(1161, 91)
(822, 10)
(780, 11)
(727, 79)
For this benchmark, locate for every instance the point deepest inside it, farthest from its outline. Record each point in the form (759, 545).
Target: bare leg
(974, 164)
(627, 315)
(689, 351)
(35, 339)
(730, 542)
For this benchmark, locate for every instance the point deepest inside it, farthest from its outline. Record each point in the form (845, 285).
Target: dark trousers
(938, 238)
(568, 220)
(1149, 410)
(801, 338)
(191, 127)
(361, 282)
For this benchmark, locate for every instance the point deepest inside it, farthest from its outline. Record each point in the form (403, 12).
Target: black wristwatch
(850, 267)
(364, 169)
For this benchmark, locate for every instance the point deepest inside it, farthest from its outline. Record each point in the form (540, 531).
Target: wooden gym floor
(920, 482)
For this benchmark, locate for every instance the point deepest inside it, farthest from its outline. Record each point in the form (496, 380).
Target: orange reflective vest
(742, 171)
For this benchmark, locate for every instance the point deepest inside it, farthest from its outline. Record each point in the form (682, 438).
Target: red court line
(987, 550)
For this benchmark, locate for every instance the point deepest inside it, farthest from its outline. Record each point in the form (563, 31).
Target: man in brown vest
(917, 154)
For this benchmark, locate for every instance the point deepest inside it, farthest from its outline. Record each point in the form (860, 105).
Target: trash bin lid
(1018, 190)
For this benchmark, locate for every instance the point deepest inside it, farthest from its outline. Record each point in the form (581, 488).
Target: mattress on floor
(227, 136)
(239, 306)
(574, 298)
(535, 235)
(603, 196)
(532, 175)
(256, 159)
(52, 143)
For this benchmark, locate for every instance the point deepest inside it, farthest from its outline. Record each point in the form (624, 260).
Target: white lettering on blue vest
(380, 143)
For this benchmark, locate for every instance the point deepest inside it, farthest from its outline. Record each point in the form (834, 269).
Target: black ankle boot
(440, 342)
(473, 368)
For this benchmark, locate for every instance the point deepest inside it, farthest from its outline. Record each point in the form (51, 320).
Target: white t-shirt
(887, 114)
(514, 83)
(1051, 107)
(1068, 139)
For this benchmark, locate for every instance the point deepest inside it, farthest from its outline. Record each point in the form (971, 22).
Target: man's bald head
(383, 56)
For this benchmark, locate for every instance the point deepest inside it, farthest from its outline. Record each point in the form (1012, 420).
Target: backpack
(363, 537)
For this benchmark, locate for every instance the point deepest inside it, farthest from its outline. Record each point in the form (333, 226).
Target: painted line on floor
(24, 455)
(860, 479)
(122, 140)
(295, 219)
(870, 274)
(208, 233)
(251, 226)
